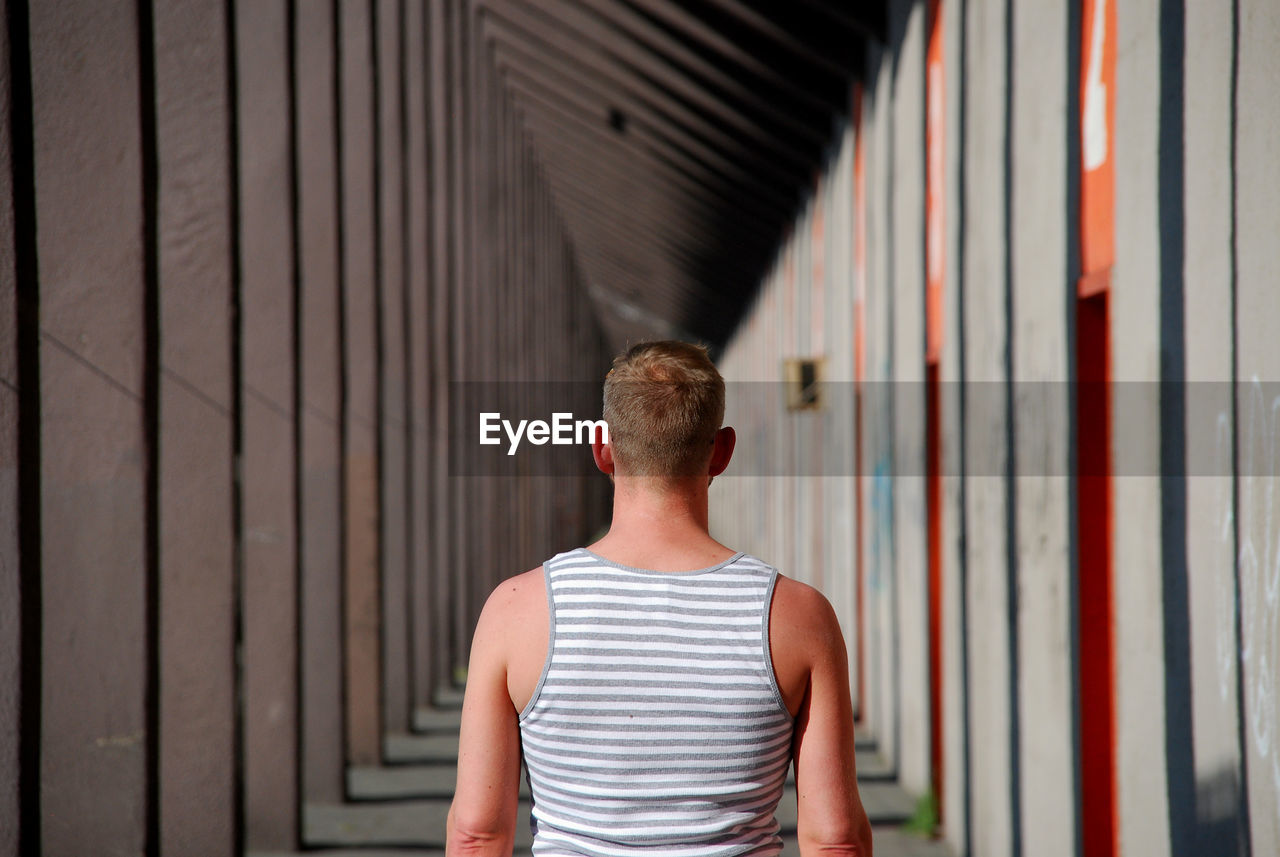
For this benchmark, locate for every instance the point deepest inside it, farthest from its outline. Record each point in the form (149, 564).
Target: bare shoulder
(511, 605)
(801, 611)
(514, 626)
(804, 634)
(516, 594)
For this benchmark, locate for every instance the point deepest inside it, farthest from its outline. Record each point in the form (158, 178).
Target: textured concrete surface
(396, 608)
(1041, 353)
(197, 681)
(1136, 347)
(985, 337)
(320, 379)
(1258, 426)
(269, 513)
(10, 580)
(94, 742)
(359, 308)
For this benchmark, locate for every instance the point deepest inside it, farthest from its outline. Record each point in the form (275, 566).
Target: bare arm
(831, 818)
(482, 819)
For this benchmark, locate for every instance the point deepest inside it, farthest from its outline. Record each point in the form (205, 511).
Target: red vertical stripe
(935, 261)
(1094, 517)
(1093, 430)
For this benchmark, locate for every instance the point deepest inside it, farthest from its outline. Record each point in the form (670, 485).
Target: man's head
(664, 402)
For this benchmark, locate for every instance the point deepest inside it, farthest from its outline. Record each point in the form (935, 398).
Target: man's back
(656, 720)
(781, 646)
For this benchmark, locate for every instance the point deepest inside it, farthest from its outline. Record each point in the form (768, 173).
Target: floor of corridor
(399, 809)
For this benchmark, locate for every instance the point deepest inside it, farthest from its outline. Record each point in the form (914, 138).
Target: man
(658, 683)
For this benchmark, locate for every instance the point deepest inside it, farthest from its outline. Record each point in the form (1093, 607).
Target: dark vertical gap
(1071, 215)
(1178, 726)
(27, 286)
(299, 464)
(379, 359)
(1245, 835)
(340, 197)
(406, 332)
(151, 409)
(1011, 462)
(962, 182)
(237, 430)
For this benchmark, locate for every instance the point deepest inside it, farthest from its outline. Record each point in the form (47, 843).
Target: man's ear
(722, 451)
(603, 454)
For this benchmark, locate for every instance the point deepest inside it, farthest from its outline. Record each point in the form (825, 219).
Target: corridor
(305, 307)
(400, 805)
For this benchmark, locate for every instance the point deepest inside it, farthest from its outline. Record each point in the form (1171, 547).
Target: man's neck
(661, 525)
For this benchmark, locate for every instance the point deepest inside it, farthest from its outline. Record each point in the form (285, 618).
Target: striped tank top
(657, 725)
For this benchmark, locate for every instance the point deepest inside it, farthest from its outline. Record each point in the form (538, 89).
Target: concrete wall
(1257, 420)
(243, 260)
(10, 555)
(1193, 539)
(196, 423)
(268, 417)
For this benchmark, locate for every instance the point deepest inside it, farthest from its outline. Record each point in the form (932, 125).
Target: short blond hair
(664, 402)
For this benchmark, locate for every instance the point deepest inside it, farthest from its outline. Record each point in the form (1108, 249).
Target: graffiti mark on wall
(1260, 573)
(1257, 604)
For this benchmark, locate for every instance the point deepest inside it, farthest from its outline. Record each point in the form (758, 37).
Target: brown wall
(268, 386)
(194, 429)
(265, 240)
(10, 572)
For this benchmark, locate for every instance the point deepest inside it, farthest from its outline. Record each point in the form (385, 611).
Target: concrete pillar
(96, 726)
(443, 177)
(1257, 222)
(395, 316)
(985, 322)
(459, 83)
(11, 618)
(320, 382)
(1141, 788)
(420, 259)
(361, 385)
(1041, 348)
(197, 681)
(879, 544)
(268, 390)
(1209, 270)
(954, 639)
(907, 342)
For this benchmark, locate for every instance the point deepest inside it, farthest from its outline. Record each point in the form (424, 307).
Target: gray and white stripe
(657, 724)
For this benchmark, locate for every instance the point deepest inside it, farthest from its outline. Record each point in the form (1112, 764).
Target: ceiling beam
(516, 56)
(674, 15)
(712, 164)
(590, 189)
(632, 89)
(635, 62)
(783, 91)
(735, 202)
(839, 52)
